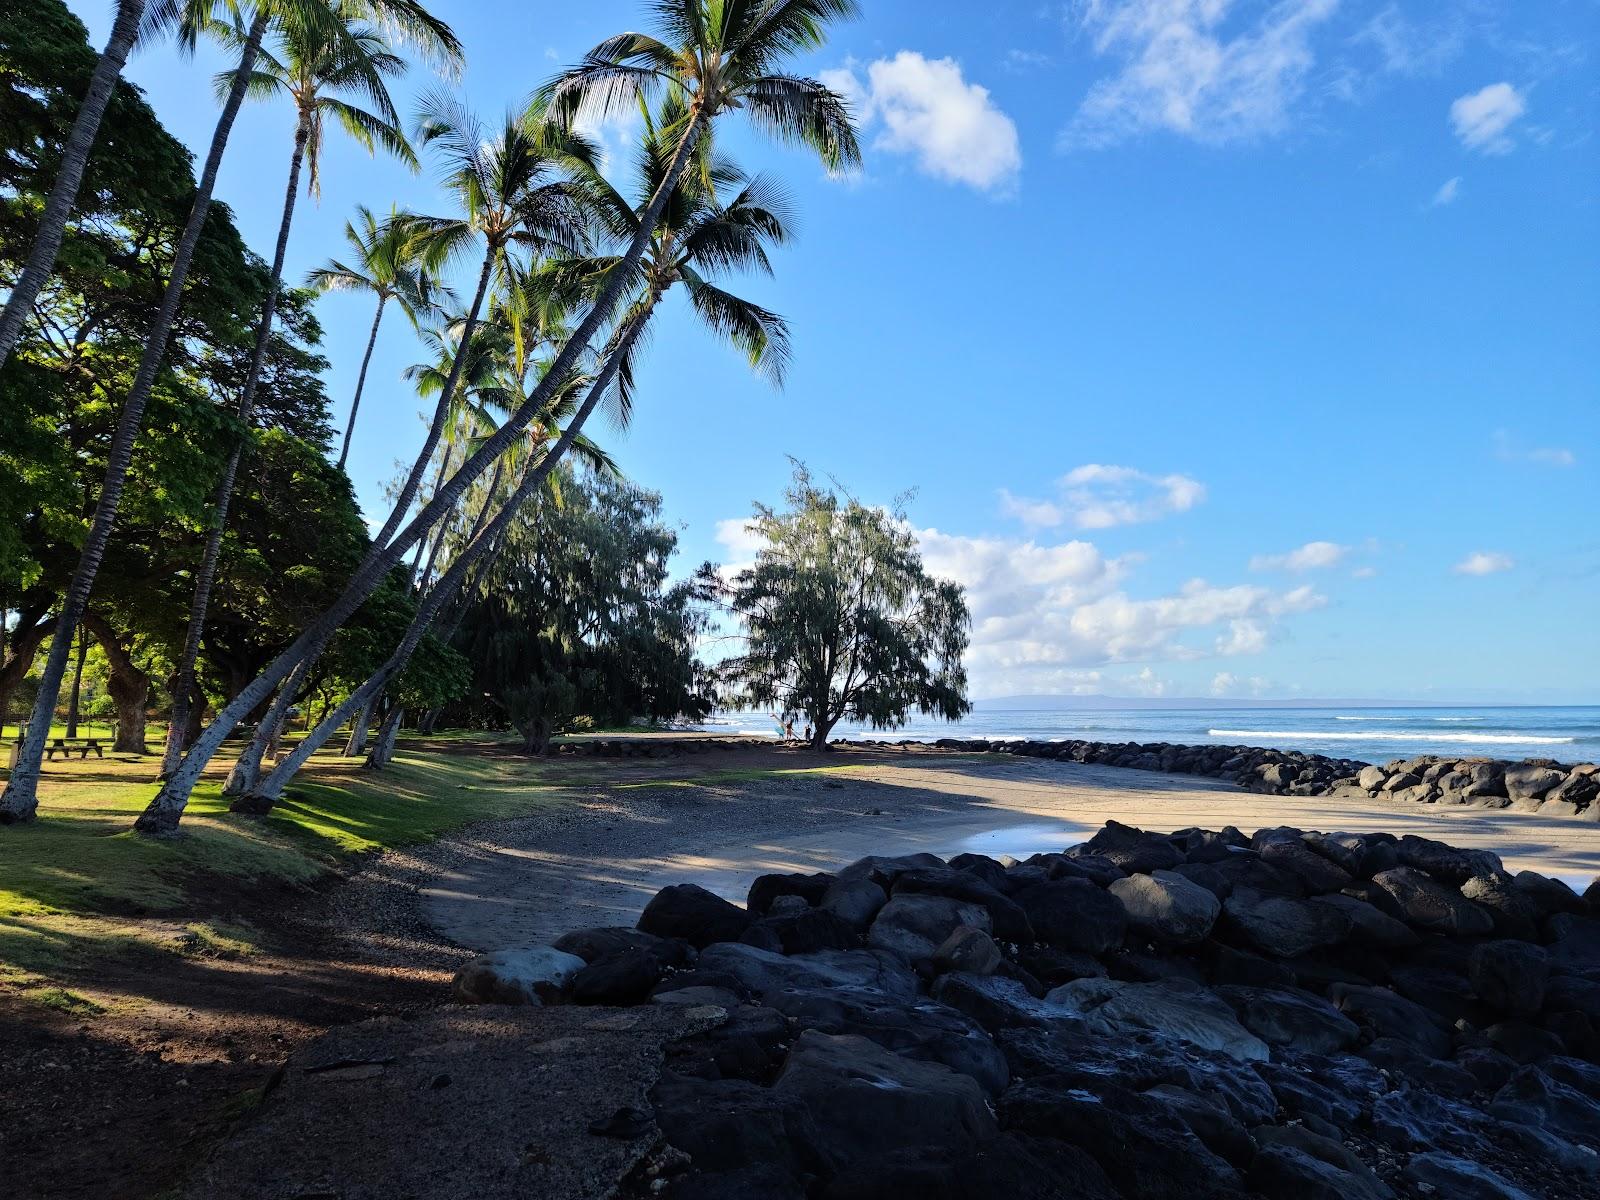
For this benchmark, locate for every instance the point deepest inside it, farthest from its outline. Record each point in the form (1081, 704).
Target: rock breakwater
(1203, 1014)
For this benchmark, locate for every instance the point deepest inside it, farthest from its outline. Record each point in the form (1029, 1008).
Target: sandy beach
(599, 859)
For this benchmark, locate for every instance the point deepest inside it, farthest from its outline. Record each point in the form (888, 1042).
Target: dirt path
(598, 861)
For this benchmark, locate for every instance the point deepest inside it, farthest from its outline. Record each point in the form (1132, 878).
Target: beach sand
(598, 860)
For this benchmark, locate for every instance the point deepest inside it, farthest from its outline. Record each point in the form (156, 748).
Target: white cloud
(924, 107)
(1447, 193)
(1101, 496)
(1482, 118)
(1310, 557)
(1050, 617)
(1226, 683)
(1483, 562)
(1188, 69)
(1406, 47)
(615, 133)
(1364, 573)
(1508, 449)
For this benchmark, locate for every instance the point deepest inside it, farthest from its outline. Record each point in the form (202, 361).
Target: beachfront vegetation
(842, 620)
(174, 538)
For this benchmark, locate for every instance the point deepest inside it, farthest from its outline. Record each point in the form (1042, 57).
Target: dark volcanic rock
(688, 911)
(915, 926)
(1460, 1178)
(767, 888)
(1433, 906)
(1391, 1015)
(1167, 908)
(1511, 975)
(855, 901)
(1281, 925)
(1010, 923)
(1073, 914)
(1133, 849)
(1175, 1009)
(1297, 1020)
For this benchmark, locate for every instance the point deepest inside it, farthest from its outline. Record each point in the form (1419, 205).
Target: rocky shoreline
(1204, 1014)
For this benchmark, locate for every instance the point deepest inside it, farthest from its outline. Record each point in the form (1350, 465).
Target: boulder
(854, 901)
(1167, 908)
(767, 888)
(1531, 1097)
(732, 1124)
(1510, 976)
(688, 911)
(1369, 925)
(1530, 782)
(1010, 923)
(1433, 906)
(591, 945)
(1360, 855)
(761, 971)
(993, 1001)
(802, 932)
(1296, 1164)
(1292, 1019)
(968, 949)
(923, 1030)
(1549, 896)
(515, 975)
(1445, 863)
(1459, 1178)
(1173, 1008)
(1317, 873)
(622, 979)
(1213, 1124)
(866, 1101)
(1074, 914)
(1391, 1015)
(1133, 850)
(1513, 911)
(1281, 925)
(914, 926)
(883, 869)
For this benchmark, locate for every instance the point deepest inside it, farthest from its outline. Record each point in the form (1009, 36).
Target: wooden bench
(65, 746)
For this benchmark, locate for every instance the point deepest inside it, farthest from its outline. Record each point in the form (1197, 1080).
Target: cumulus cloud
(1484, 562)
(1508, 449)
(1447, 193)
(1226, 683)
(1051, 617)
(1198, 68)
(924, 107)
(1481, 119)
(1101, 496)
(1312, 556)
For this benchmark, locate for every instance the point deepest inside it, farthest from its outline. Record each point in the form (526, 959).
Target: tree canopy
(842, 621)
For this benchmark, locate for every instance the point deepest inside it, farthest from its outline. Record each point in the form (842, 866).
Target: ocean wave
(1386, 735)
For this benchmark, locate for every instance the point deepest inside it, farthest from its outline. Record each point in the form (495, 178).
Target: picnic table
(64, 746)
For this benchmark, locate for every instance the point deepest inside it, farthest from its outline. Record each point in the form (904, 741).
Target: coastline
(598, 860)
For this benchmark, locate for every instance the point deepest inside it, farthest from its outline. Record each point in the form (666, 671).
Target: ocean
(1568, 734)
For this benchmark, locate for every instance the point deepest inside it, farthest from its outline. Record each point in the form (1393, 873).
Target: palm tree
(20, 800)
(135, 22)
(696, 236)
(387, 264)
(317, 61)
(41, 259)
(729, 57)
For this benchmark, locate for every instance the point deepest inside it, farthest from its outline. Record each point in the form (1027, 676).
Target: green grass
(78, 884)
(86, 729)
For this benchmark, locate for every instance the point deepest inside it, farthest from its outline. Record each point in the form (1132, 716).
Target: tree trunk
(205, 578)
(20, 801)
(488, 536)
(128, 684)
(536, 737)
(164, 810)
(25, 643)
(75, 696)
(819, 733)
(361, 723)
(428, 721)
(74, 159)
(361, 381)
(383, 745)
(246, 769)
(408, 490)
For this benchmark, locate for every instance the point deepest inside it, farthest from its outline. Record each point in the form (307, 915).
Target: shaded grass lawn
(78, 883)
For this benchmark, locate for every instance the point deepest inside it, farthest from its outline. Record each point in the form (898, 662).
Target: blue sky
(1232, 348)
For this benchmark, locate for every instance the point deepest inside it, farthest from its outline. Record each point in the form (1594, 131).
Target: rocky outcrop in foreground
(1560, 789)
(1196, 1015)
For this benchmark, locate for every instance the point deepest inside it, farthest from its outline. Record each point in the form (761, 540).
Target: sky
(1231, 348)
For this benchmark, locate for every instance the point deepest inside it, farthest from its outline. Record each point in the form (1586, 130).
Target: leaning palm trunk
(166, 808)
(206, 577)
(361, 381)
(489, 538)
(245, 771)
(20, 801)
(383, 750)
(74, 159)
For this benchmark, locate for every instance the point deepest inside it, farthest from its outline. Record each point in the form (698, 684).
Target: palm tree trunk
(75, 696)
(74, 159)
(361, 380)
(246, 768)
(205, 578)
(388, 734)
(361, 724)
(20, 801)
(488, 541)
(163, 811)
(408, 491)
